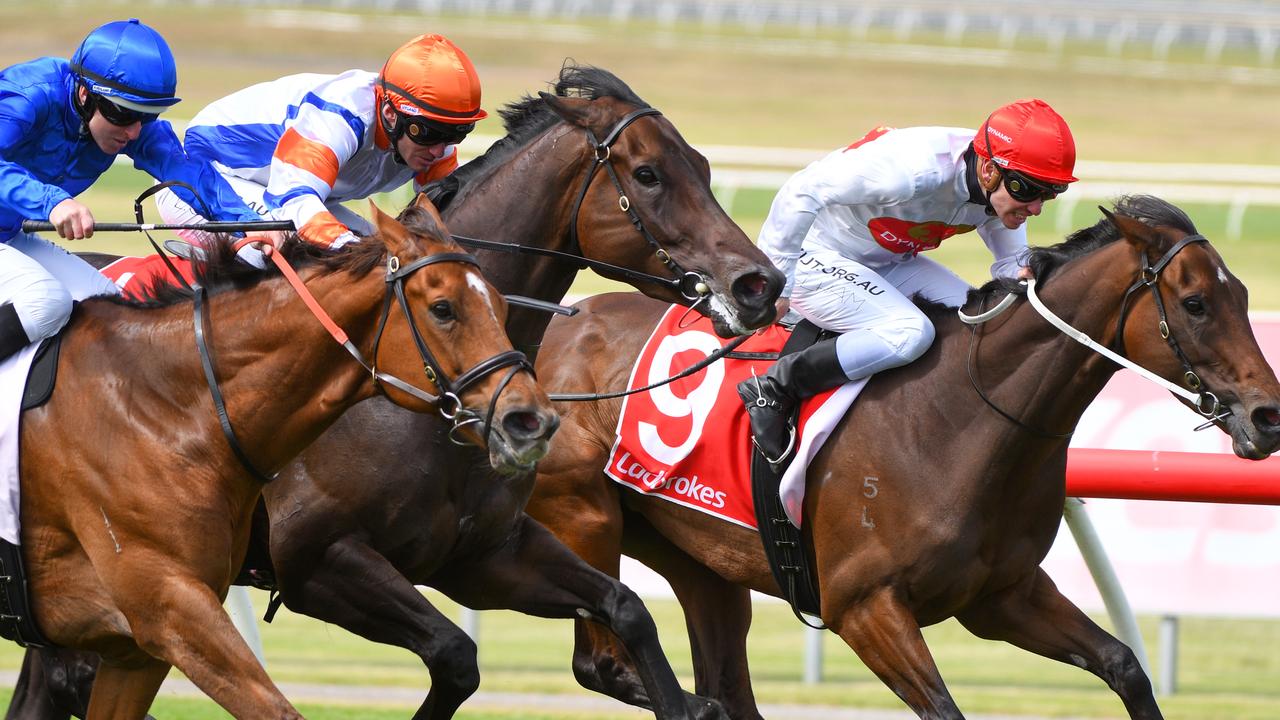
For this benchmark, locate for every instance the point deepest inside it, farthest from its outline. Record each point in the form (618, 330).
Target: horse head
(452, 330)
(594, 171)
(1188, 321)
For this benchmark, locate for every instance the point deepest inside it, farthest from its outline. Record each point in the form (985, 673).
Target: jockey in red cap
(849, 230)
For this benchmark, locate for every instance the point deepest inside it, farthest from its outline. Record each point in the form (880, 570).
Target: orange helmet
(431, 77)
(1027, 136)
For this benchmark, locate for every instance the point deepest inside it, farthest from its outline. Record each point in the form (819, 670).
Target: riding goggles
(118, 115)
(1025, 189)
(423, 131)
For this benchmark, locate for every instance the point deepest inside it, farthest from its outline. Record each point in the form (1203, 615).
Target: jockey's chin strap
(448, 403)
(1205, 402)
(692, 286)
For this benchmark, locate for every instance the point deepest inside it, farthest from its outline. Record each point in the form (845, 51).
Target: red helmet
(431, 77)
(1028, 136)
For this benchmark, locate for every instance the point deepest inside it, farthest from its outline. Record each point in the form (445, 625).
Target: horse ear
(430, 223)
(1138, 233)
(574, 110)
(393, 234)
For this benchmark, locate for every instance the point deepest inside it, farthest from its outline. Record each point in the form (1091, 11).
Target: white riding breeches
(880, 326)
(174, 210)
(41, 280)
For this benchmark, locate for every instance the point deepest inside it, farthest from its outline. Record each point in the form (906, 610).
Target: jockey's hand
(1024, 273)
(72, 219)
(267, 242)
(780, 308)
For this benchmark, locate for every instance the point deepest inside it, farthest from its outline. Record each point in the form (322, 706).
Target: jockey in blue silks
(62, 124)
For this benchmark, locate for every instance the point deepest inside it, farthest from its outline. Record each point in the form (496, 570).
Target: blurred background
(1174, 98)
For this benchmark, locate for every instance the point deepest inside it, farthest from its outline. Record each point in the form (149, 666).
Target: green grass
(1228, 668)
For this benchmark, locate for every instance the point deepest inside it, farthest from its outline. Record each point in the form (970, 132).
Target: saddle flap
(43, 373)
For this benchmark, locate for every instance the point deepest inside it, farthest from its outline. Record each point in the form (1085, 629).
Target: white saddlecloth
(13, 381)
(817, 430)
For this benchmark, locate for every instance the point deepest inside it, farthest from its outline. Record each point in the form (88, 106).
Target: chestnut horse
(965, 503)
(135, 510)
(384, 501)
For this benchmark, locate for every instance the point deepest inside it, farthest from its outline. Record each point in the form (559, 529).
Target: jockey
(62, 124)
(297, 147)
(848, 231)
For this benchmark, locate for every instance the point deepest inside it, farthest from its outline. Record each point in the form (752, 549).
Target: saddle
(16, 620)
(783, 542)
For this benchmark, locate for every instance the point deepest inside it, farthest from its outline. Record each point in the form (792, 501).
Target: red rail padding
(1160, 475)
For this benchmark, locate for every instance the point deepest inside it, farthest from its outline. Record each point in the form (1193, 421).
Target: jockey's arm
(158, 152)
(304, 169)
(838, 179)
(20, 191)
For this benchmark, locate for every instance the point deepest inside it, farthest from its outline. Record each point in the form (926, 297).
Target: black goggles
(1024, 188)
(118, 115)
(423, 131)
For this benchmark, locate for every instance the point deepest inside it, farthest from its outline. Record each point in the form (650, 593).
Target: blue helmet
(130, 64)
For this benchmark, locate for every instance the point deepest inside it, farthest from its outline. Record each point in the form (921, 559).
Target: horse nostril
(528, 425)
(752, 289)
(1267, 419)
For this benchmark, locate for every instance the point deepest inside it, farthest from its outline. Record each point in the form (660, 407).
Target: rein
(583, 397)
(448, 403)
(1204, 402)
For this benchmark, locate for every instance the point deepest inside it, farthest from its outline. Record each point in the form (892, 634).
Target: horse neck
(1032, 370)
(494, 208)
(283, 378)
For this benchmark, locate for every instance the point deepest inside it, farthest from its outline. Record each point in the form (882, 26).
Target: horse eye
(1194, 305)
(646, 175)
(442, 311)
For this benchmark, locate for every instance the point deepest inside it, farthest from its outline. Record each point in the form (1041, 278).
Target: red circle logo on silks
(906, 237)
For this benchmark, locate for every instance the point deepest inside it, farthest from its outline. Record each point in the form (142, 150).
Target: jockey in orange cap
(297, 147)
(848, 232)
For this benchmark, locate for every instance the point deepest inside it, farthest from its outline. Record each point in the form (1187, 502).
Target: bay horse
(384, 501)
(135, 508)
(964, 504)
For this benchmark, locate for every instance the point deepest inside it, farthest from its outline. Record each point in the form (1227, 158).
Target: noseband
(448, 403)
(692, 286)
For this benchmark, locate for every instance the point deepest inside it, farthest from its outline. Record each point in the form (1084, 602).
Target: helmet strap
(973, 179)
(84, 108)
(393, 132)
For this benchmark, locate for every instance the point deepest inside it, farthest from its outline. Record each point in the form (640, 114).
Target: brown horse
(963, 504)
(135, 510)
(384, 501)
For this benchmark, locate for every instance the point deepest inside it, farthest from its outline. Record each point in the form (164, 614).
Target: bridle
(448, 403)
(1150, 277)
(692, 286)
(1204, 401)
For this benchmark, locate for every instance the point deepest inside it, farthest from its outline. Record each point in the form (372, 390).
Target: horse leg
(181, 621)
(536, 574)
(717, 616)
(1034, 616)
(357, 588)
(124, 693)
(885, 635)
(47, 689)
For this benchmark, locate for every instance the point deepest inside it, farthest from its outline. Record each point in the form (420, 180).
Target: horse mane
(1043, 261)
(223, 271)
(526, 119)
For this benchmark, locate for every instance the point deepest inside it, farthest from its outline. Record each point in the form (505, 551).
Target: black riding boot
(772, 398)
(12, 336)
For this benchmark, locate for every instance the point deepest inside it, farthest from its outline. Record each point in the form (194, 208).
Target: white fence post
(240, 608)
